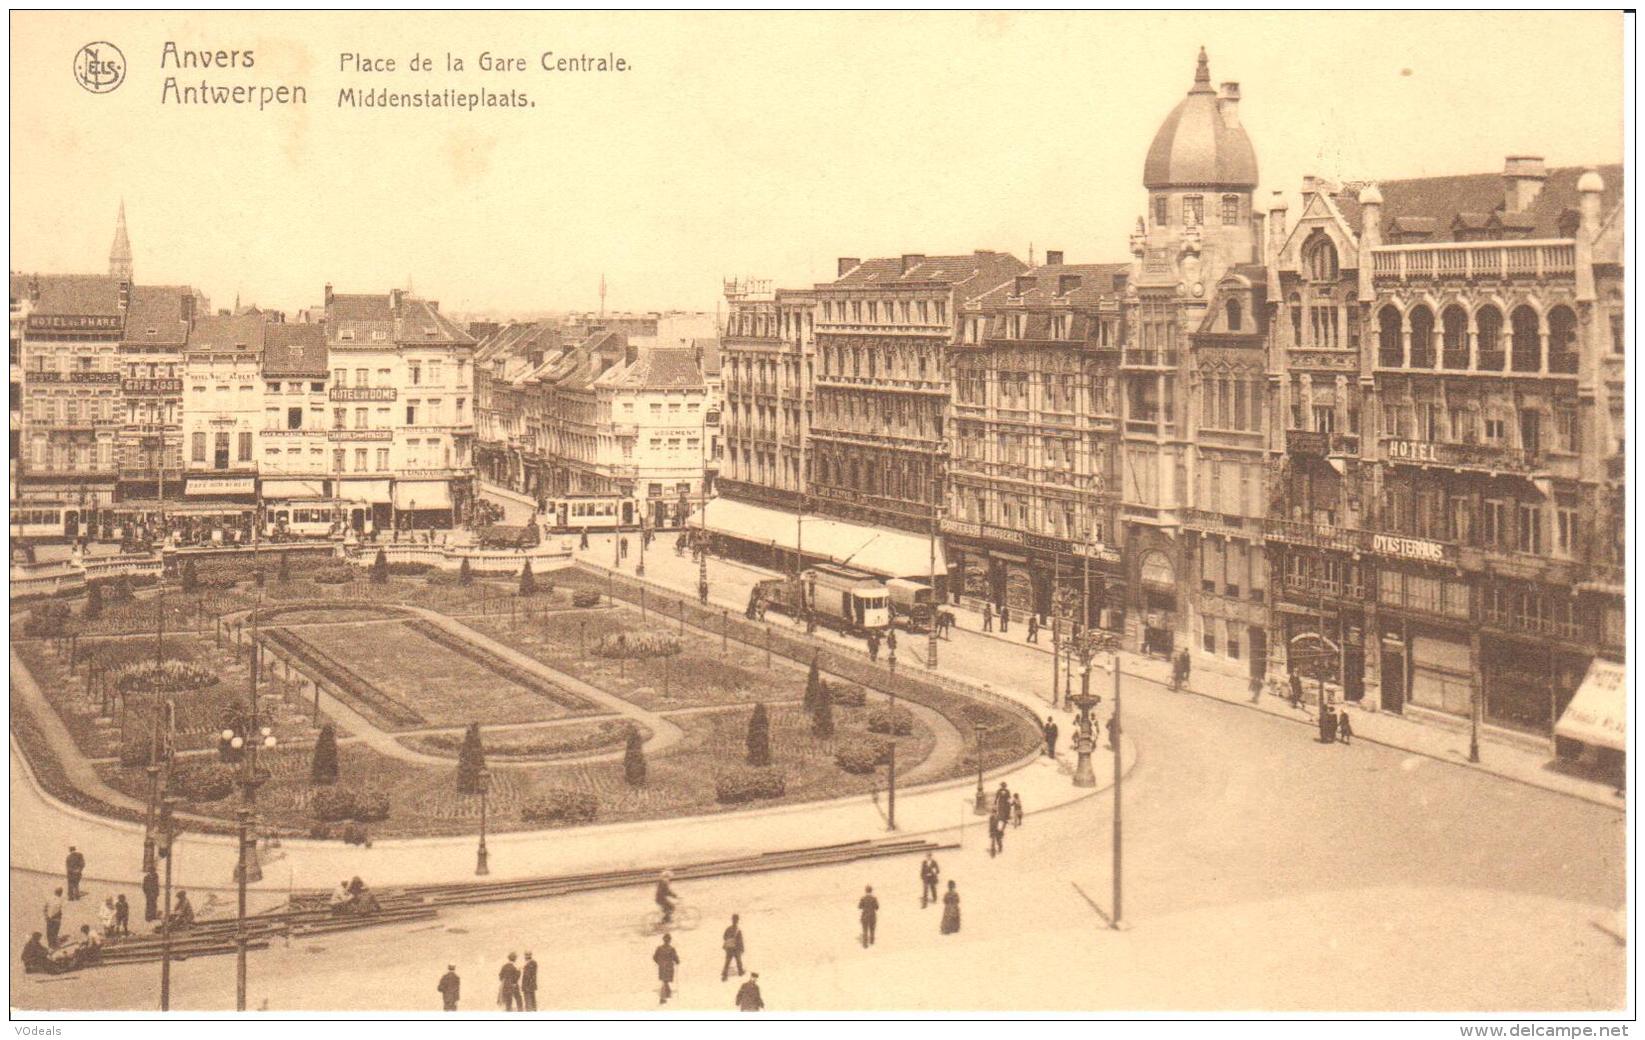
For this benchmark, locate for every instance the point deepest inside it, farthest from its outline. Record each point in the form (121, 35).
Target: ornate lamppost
(481, 867)
(981, 807)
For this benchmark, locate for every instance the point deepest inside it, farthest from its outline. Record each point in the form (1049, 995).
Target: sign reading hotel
(363, 393)
(77, 322)
(1412, 451)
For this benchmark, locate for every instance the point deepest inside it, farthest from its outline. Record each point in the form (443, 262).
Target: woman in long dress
(951, 911)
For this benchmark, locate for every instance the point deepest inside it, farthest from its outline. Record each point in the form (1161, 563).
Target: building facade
(150, 447)
(883, 330)
(1034, 469)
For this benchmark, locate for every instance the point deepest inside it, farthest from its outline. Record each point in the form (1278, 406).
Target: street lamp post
(639, 567)
(481, 867)
(980, 808)
(244, 744)
(1114, 737)
(702, 561)
(891, 769)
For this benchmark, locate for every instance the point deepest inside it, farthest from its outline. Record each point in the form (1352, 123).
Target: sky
(740, 144)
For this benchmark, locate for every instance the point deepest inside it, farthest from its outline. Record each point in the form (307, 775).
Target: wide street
(1262, 871)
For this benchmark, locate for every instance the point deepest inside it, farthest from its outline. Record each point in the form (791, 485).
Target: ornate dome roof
(1200, 145)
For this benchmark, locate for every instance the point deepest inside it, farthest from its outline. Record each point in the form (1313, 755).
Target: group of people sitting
(353, 897)
(40, 959)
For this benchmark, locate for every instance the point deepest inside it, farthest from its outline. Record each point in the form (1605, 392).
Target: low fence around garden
(544, 557)
(759, 635)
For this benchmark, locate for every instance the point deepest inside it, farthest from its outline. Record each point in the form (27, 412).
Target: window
(1234, 315)
(339, 377)
(1320, 260)
(1193, 210)
(1233, 641)
(362, 377)
(1210, 635)
(1566, 517)
(199, 447)
(1162, 209)
(1495, 429)
(382, 460)
(411, 413)
(416, 371)
(1230, 209)
(1494, 521)
(360, 460)
(245, 446)
(361, 418)
(1530, 527)
(339, 458)
(294, 418)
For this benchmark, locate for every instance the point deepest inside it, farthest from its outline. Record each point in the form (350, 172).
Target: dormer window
(1024, 283)
(1320, 260)
(345, 335)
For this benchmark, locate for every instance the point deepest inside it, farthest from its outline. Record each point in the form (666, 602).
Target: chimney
(846, 265)
(1228, 105)
(1275, 241)
(631, 353)
(1053, 258)
(125, 296)
(1522, 177)
(1370, 236)
(1258, 251)
(394, 300)
(1591, 187)
(328, 294)
(911, 261)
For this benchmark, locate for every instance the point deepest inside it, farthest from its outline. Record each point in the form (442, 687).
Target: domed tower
(1200, 174)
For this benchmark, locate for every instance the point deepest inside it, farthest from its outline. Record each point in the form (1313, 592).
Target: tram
(574, 513)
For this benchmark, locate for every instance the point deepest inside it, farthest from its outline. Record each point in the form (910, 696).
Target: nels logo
(99, 67)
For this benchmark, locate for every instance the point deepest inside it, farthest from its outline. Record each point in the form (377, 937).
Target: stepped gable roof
(295, 350)
(240, 333)
(1435, 204)
(1096, 283)
(1196, 147)
(156, 316)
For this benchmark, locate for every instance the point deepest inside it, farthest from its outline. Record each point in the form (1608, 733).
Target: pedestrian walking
(748, 995)
(582, 543)
(988, 617)
(528, 982)
(732, 944)
(1033, 628)
(508, 985)
(1016, 810)
(667, 958)
(1327, 724)
(1256, 689)
(1050, 730)
(122, 915)
(1002, 803)
(869, 910)
(450, 987)
(75, 867)
(1296, 690)
(891, 641)
(1005, 618)
(105, 917)
(624, 547)
(929, 873)
(151, 895)
(1345, 729)
(951, 910)
(54, 917)
(874, 647)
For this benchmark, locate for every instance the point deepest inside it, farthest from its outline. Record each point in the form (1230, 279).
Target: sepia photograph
(818, 514)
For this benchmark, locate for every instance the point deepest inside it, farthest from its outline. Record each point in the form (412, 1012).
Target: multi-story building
(1198, 240)
(1450, 503)
(303, 431)
(149, 451)
(650, 411)
(1034, 474)
(223, 412)
(506, 451)
(883, 332)
(71, 375)
(752, 370)
(409, 367)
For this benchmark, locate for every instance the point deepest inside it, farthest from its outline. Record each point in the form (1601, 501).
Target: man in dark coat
(748, 995)
(1005, 618)
(929, 873)
(996, 836)
(122, 915)
(667, 959)
(151, 895)
(508, 992)
(528, 982)
(1033, 628)
(732, 944)
(37, 959)
(1296, 690)
(75, 867)
(988, 617)
(450, 986)
(1050, 731)
(868, 908)
(1002, 802)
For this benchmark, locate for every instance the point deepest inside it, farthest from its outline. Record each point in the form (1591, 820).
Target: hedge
(166, 677)
(206, 782)
(636, 645)
(848, 695)
(410, 569)
(881, 719)
(560, 805)
(747, 783)
(856, 753)
(346, 803)
(335, 574)
(585, 598)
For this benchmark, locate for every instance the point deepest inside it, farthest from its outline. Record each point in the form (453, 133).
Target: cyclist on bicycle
(666, 897)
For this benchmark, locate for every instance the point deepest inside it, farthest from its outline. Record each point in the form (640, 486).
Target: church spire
(120, 252)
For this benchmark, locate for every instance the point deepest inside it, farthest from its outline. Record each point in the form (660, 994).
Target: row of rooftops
(176, 317)
(547, 353)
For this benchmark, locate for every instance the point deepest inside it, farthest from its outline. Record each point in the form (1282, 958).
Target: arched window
(1390, 351)
(1234, 315)
(1488, 328)
(1319, 260)
(1294, 304)
(1562, 348)
(1455, 322)
(1422, 337)
(1527, 340)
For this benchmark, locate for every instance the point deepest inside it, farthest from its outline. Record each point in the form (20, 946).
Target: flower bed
(636, 645)
(342, 680)
(500, 665)
(164, 677)
(552, 742)
(560, 805)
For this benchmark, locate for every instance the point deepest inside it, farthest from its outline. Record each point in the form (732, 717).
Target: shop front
(1595, 720)
(1527, 683)
(421, 504)
(1034, 574)
(1157, 603)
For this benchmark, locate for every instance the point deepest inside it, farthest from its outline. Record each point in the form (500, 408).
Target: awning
(372, 491)
(314, 488)
(422, 494)
(878, 550)
(1598, 714)
(220, 486)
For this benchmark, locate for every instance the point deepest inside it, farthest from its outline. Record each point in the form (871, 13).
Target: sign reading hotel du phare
(1047, 380)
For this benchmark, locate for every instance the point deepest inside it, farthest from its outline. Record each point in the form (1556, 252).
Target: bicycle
(685, 919)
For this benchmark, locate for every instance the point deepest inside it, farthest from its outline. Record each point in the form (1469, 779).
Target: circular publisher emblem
(99, 67)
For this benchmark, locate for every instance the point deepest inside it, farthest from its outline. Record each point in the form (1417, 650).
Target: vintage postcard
(820, 513)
